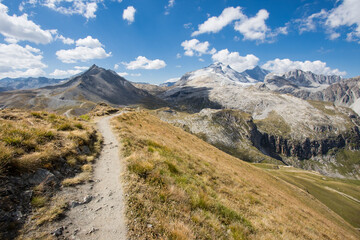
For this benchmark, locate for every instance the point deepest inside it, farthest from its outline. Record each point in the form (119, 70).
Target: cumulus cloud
(129, 14)
(20, 28)
(67, 73)
(215, 24)
(346, 14)
(237, 62)
(88, 42)
(85, 8)
(253, 28)
(144, 63)
(284, 65)
(116, 66)
(195, 47)
(18, 61)
(86, 49)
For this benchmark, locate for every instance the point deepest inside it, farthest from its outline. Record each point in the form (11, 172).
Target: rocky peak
(305, 79)
(257, 73)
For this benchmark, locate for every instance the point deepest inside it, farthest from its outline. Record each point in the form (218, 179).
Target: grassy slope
(180, 187)
(33, 140)
(322, 188)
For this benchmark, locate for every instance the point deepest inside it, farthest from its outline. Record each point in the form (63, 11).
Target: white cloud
(18, 61)
(116, 66)
(171, 4)
(86, 49)
(178, 55)
(194, 46)
(135, 74)
(144, 63)
(215, 24)
(129, 14)
(66, 40)
(67, 73)
(309, 23)
(285, 65)
(85, 8)
(346, 14)
(123, 74)
(88, 42)
(237, 62)
(187, 25)
(253, 28)
(19, 28)
(32, 72)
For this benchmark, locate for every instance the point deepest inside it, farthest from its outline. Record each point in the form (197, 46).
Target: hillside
(40, 153)
(81, 92)
(301, 133)
(180, 187)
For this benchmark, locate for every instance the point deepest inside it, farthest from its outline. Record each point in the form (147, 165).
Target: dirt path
(342, 194)
(98, 212)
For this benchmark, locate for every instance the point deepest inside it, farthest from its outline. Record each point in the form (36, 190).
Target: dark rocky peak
(257, 73)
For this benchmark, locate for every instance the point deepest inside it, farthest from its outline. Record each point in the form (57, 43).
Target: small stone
(98, 209)
(87, 199)
(74, 204)
(58, 232)
(92, 230)
(149, 226)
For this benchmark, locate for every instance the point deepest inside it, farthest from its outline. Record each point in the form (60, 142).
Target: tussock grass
(31, 140)
(180, 187)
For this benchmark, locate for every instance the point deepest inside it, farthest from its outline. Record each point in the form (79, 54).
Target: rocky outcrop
(238, 134)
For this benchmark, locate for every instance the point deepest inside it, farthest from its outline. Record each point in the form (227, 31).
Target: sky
(154, 41)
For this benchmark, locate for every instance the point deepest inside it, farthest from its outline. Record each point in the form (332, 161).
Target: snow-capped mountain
(220, 72)
(224, 74)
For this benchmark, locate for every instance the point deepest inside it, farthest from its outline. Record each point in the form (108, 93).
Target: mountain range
(8, 84)
(296, 117)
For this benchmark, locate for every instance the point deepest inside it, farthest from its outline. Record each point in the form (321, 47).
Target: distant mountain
(152, 89)
(297, 80)
(93, 86)
(8, 84)
(218, 73)
(224, 72)
(292, 129)
(257, 73)
(310, 86)
(345, 93)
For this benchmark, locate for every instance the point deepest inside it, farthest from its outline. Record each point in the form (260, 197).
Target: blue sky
(153, 41)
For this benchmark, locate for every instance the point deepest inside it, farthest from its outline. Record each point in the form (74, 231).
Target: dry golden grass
(31, 140)
(180, 187)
